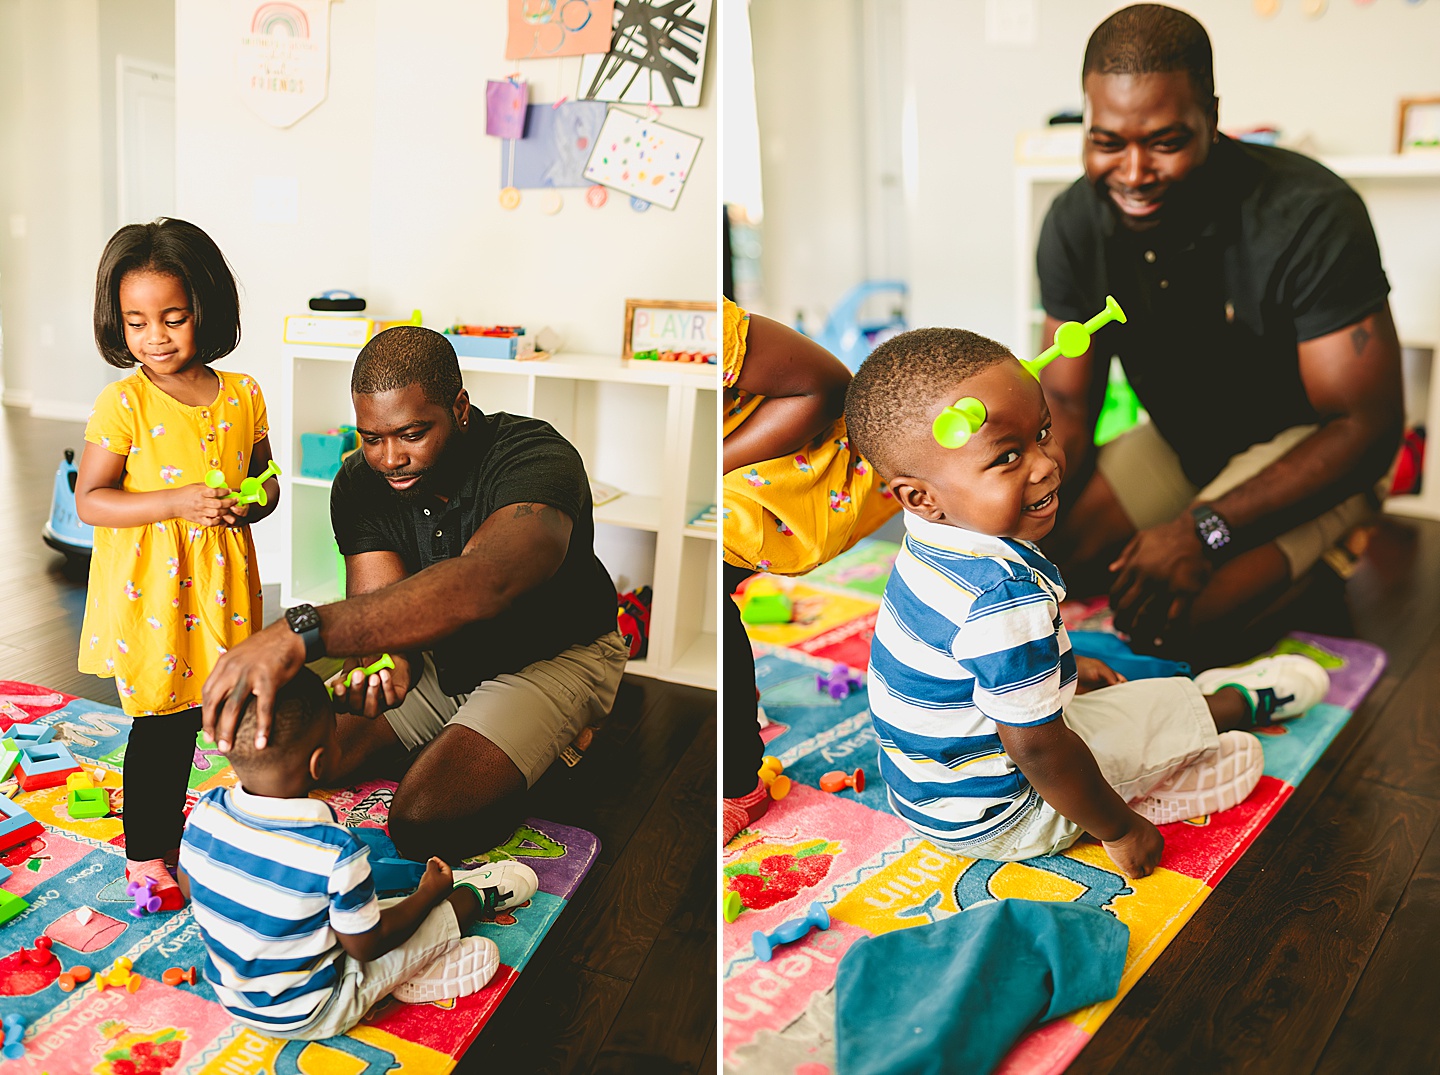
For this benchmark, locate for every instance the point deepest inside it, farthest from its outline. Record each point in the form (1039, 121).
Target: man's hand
(379, 691)
(1137, 853)
(201, 504)
(1093, 674)
(260, 665)
(1157, 577)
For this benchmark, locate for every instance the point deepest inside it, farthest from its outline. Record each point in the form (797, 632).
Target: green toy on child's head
(960, 421)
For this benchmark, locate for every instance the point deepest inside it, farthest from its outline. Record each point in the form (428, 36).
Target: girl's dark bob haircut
(175, 248)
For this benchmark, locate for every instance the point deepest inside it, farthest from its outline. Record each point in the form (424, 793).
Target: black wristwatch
(1213, 532)
(305, 622)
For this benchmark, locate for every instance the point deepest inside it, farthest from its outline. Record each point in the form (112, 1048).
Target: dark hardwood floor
(625, 981)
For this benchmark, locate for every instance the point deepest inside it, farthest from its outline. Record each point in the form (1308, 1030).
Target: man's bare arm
(516, 549)
(1352, 378)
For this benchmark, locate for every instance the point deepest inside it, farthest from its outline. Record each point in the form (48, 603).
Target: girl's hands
(200, 504)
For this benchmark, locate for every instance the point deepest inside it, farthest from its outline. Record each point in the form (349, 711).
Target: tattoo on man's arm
(553, 518)
(1359, 337)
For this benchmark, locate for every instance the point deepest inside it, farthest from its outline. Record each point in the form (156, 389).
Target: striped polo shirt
(969, 636)
(272, 881)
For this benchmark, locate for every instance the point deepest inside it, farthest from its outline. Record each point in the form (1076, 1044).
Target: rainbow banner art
(282, 58)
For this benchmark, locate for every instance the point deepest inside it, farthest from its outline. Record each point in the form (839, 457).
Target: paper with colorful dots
(642, 158)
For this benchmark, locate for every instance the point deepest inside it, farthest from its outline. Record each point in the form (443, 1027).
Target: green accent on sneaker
(1254, 718)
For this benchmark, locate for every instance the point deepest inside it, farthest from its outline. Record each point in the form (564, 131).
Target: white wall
(398, 190)
(1337, 78)
(57, 181)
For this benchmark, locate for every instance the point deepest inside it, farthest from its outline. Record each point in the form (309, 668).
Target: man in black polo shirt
(1259, 340)
(469, 556)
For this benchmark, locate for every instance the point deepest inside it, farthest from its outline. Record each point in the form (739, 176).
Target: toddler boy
(297, 944)
(984, 747)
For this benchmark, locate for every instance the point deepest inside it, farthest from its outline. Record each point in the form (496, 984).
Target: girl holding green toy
(173, 578)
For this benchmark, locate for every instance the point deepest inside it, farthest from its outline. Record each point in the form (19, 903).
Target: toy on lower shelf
(252, 490)
(14, 1025)
(142, 891)
(838, 683)
(771, 773)
(786, 932)
(321, 454)
(835, 780)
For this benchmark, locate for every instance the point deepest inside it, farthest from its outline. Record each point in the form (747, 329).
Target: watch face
(1215, 539)
(302, 618)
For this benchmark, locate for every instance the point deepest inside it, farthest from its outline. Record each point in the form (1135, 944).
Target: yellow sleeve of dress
(737, 329)
(257, 402)
(112, 422)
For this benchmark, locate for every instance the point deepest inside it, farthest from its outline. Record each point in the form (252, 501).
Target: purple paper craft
(505, 102)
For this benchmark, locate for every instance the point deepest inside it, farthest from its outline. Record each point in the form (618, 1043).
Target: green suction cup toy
(252, 490)
(1072, 339)
(959, 422)
(365, 673)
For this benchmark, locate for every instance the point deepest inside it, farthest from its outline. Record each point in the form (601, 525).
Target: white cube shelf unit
(648, 428)
(1402, 194)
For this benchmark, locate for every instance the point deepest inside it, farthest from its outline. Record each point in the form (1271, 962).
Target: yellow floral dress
(166, 599)
(788, 516)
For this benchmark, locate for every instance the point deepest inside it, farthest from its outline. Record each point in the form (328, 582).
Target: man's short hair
(406, 355)
(300, 707)
(891, 395)
(1146, 39)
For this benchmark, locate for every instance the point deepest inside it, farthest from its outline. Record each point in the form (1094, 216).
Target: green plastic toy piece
(10, 906)
(370, 670)
(646, 356)
(1072, 339)
(767, 608)
(957, 423)
(9, 757)
(86, 803)
(733, 906)
(252, 490)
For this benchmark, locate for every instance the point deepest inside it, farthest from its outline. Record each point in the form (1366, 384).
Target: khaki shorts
(532, 715)
(1141, 732)
(1145, 474)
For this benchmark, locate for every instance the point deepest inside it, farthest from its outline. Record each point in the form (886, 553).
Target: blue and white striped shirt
(271, 883)
(969, 636)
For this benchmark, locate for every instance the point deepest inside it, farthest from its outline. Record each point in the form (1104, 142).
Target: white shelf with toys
(646, 428)
(1402, 195)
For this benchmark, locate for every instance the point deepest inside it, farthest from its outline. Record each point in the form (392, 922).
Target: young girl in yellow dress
(173, 580)
(796, 495)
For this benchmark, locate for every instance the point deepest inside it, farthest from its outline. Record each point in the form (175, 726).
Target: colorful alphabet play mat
(71, 877)
(849, 853)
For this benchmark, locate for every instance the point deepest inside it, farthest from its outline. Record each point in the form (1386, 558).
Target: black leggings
(743, 746)
(156, 775)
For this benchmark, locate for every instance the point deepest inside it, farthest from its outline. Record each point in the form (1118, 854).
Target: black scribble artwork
(656, 54)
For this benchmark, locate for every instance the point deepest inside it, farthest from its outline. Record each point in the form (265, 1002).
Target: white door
(145, 141)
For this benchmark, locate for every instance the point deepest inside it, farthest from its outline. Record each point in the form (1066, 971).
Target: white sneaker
(1277, 688)
(1216, 782)
(464, 969)
(500, 885)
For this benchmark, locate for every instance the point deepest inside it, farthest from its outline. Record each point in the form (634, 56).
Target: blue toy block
(16, 824)
(322, 453)
(45, 766)
(30, 734)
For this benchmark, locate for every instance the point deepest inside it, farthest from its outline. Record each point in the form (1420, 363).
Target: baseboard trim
(16, 397)
(60, 409)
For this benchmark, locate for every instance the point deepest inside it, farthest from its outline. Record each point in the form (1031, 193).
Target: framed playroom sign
(659, 325)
